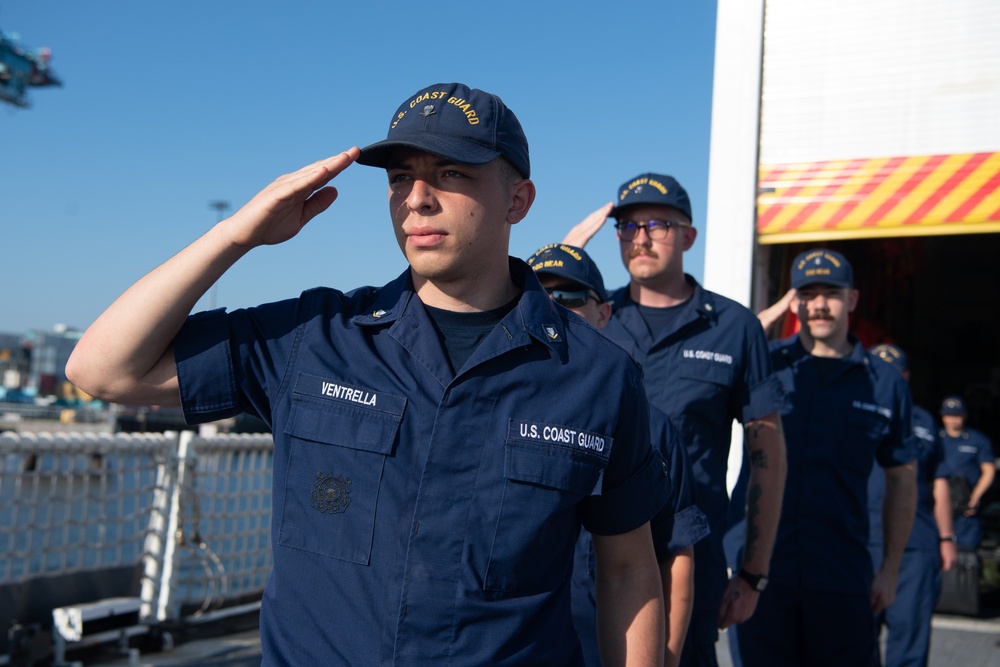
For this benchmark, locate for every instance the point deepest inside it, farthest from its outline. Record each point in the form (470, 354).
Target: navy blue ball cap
(657, 189)
(892, 355)
(821, 266)
(571, 263)
(459, 123)
(953, 405)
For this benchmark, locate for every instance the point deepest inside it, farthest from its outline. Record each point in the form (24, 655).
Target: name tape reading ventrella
(561, 435)
(342, 392)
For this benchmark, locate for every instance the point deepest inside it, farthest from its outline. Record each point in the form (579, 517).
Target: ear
(690, 234)
(852, 300)
(603, 314)
(521, 198)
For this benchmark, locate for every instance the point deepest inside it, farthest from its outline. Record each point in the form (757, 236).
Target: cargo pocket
(336, 455)
(533, 543)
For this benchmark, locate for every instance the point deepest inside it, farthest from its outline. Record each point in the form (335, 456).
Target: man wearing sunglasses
(573, 280)
(705, 362)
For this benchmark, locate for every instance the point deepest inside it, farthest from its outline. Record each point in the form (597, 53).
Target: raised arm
(630, 616)
(898, 509)
(585, 230)
(773, 313)
(765, 443)
(126, 355)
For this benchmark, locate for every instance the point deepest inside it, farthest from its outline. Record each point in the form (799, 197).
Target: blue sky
(167, 107)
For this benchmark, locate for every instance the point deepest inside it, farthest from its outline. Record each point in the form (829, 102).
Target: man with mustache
(844, 410)
(705, 363)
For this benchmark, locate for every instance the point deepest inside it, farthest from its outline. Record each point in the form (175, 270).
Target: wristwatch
(947, 538)
(758, 582)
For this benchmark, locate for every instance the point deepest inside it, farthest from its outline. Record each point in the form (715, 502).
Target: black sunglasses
(571, 298)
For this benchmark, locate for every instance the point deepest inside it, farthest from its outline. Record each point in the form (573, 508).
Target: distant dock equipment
(22, 67)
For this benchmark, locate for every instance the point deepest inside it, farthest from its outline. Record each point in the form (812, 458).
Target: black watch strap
(758, 582)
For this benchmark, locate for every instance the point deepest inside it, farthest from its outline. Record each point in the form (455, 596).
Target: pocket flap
(367, 426)
(707, 370)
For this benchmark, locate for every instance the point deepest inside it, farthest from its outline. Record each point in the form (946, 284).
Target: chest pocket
(866, 430)
(336, 455)
(532, 550)
(706, 370)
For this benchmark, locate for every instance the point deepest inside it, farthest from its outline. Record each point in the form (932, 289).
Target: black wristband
(947, 538)
(758, 582)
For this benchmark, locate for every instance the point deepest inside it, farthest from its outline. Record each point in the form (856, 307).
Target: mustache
(649, 252)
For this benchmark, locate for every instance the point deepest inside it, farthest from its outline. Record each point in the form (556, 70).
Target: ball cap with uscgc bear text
(824, 267)
(459, 123)
(892, 355)
(656, 189)
(953, 405)
(571, 263)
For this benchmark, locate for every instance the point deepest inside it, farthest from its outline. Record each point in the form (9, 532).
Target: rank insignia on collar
(379, 313)
(428, 110)
(551, 332)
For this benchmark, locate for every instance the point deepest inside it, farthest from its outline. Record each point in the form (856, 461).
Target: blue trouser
(908, 620)
(968, 532)
(699, 645)
(794, 628)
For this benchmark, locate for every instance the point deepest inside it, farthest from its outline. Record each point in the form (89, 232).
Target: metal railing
(178, 520)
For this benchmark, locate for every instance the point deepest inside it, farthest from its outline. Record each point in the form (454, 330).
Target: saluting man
(433, 462)
(705, 362)
(844, 410)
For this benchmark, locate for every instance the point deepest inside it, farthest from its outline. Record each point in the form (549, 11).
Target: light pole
(220, 207)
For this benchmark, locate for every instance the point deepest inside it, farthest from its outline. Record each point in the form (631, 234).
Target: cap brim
(831, 283)
(617, 210)
(452, 148)
(576, 280)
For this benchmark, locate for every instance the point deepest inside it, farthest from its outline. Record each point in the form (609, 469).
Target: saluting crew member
(931, 547)
(844, 410)
(433, 459)
(573, 280)
(705, 362)
(969, 454)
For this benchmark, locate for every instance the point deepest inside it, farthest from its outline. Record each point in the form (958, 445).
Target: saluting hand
(770, 315)
(282, 209)
(585, 230)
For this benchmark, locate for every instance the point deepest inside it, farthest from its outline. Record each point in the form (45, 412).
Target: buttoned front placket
(445, 502)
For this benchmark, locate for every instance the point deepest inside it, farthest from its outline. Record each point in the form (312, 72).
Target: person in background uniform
(705, 361)
(439, 440)
(573, 280)
(844, 409)
(969, 454)
(930, 549)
